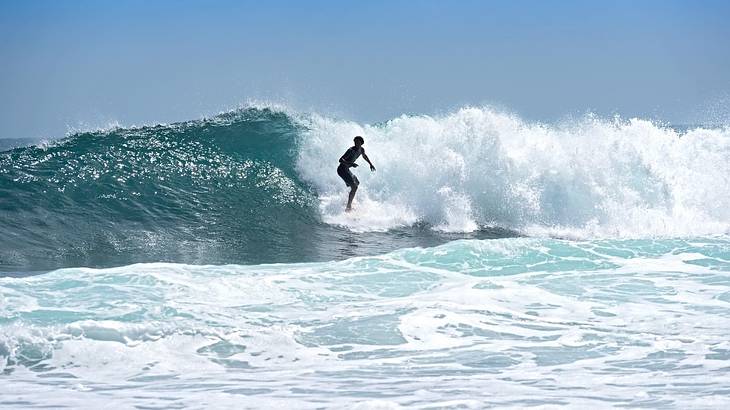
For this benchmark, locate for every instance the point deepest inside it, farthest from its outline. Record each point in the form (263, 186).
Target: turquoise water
(504, 322)
(210, 264)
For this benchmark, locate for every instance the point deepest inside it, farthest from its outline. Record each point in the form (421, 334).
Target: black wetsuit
(351, 155)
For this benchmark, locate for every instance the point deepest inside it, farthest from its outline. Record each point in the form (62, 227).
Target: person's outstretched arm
(372, 167)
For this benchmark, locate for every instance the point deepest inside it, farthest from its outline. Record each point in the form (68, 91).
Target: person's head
(359, 141)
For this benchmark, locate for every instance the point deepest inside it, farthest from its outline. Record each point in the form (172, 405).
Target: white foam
(367, 214)
(573, 323)
(478, 166)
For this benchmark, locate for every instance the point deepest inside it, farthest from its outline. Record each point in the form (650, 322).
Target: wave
(259, 185)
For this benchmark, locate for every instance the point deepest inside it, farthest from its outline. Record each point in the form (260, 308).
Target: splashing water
(480, 167)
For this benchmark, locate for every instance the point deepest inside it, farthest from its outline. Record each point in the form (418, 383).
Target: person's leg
(353, 190)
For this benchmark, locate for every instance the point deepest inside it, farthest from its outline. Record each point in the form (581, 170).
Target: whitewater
(490, 262)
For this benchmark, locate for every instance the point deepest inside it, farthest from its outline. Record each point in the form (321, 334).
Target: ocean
(490, 262)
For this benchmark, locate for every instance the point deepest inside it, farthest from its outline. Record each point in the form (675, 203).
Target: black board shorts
(344, 172)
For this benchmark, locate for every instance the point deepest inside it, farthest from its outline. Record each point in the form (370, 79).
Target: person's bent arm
(348, 163)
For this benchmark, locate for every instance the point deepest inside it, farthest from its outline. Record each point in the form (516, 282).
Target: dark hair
(362, 141)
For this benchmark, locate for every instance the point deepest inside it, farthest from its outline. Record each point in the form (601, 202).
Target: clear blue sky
(88, 63)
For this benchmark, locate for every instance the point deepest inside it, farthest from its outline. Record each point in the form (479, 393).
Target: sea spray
(587, 178)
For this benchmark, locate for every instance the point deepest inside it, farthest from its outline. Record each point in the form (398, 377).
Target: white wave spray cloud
(481, 167)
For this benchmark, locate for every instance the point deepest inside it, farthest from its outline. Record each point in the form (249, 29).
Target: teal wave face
(209, 187)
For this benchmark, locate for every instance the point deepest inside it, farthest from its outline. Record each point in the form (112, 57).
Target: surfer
(347, 160)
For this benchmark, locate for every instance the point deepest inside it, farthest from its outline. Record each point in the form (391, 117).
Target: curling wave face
(196, 191)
